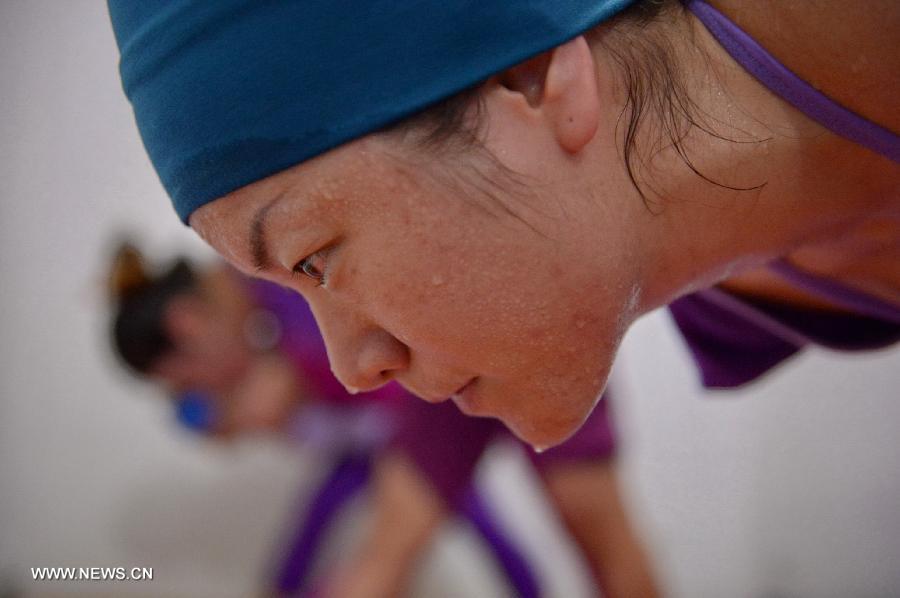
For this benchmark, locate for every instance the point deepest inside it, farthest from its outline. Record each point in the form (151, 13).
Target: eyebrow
(258, 245)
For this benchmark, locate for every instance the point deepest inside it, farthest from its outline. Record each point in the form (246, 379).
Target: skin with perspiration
(431, 284)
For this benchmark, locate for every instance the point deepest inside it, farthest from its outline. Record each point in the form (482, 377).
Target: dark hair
(140, 299)
(650, 76)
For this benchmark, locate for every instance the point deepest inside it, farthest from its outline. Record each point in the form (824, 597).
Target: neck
(752, 180)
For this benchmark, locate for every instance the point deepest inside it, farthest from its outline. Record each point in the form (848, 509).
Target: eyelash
(299, 268)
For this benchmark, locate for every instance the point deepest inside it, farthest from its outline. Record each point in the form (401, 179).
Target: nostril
(366, 360)
(363, 383)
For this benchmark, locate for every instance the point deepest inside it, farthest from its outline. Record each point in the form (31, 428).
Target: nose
(363, 356)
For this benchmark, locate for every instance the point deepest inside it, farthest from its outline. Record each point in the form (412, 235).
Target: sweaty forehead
(225, 225)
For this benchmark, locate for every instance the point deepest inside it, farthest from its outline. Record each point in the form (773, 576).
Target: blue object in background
(195, 411)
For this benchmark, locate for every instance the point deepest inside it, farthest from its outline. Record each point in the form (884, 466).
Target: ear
(561, 86)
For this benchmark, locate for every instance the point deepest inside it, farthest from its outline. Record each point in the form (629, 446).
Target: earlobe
(571, 98)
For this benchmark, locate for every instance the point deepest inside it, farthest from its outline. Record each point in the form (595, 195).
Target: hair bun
(128, 274)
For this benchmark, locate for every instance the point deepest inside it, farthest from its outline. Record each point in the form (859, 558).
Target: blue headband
(226, 92)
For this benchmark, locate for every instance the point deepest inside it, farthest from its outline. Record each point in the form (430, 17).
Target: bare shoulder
(848, 50)
(865, 258)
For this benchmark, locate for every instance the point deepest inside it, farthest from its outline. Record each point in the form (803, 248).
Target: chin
(546, 432)
(550, 419)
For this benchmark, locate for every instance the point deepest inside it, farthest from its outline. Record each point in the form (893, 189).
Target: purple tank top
(736, 339)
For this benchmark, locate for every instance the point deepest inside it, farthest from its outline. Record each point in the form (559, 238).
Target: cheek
(458, 279)
(184, 375)
(473, 289)
(438, 283)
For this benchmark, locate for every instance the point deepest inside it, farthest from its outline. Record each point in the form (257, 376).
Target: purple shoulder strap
(837, 292)
(791, 88)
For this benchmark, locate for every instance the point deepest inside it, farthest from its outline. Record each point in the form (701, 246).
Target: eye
(313, 267)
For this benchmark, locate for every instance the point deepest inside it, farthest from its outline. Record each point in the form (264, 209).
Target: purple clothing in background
(444, 444)
(736, 339)
(300, 340)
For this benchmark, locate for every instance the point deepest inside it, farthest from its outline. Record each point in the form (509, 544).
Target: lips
(466, 398)
(462, 388)
(436, 398)
(427, 396)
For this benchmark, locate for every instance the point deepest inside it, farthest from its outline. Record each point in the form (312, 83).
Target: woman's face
(500, 292)
(209, 352)
(251, 392)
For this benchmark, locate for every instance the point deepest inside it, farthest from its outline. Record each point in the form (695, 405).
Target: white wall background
(789, 488)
